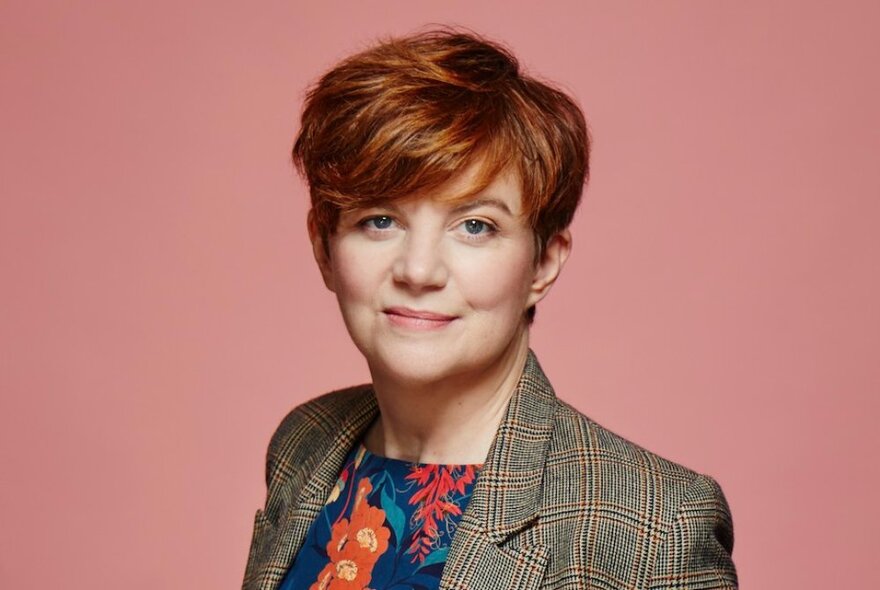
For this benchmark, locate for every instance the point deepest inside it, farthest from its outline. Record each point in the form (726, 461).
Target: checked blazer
(560, 502)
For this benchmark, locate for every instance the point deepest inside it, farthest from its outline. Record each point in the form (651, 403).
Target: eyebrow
(483, 202)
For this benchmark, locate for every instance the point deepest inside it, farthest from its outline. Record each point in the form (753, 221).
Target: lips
(419, 314)
(418, 319)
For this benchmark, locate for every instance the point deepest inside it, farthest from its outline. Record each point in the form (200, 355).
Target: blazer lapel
(314, 487)
(495, 545)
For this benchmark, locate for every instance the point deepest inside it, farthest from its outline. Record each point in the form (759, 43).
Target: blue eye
(476, 227)
(378, 222)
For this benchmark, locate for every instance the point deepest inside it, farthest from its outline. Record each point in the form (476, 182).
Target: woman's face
(431, 290)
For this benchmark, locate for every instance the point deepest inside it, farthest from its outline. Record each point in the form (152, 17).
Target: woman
(443, 182)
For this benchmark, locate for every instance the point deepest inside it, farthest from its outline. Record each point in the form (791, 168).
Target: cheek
(355, 274)
(498, 282)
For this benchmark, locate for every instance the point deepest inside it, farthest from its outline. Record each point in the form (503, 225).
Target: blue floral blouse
(387, 524)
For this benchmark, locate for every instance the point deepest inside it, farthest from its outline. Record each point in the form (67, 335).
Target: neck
(453, 421)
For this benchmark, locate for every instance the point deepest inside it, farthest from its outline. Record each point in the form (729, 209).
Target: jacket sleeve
(278, 470)
(696, 552)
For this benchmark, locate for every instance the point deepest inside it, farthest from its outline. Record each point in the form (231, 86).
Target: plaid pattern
(560, 502)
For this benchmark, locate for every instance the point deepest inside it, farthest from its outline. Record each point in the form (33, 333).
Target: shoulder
(624, 498)
(306, 432)
(576, 434)
(641, 485)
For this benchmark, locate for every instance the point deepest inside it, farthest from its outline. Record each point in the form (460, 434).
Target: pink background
(161, 311)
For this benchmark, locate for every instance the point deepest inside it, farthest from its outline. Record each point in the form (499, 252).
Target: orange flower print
(355, 545)
(368, 530)
(338, 539)
(349, 572)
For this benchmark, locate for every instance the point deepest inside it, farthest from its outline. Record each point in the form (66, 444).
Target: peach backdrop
(161, 311)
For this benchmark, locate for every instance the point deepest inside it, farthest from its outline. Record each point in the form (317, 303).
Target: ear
(549, 266)
(321, 251)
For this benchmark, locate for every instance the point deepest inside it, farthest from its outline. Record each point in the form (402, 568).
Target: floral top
(387, 524)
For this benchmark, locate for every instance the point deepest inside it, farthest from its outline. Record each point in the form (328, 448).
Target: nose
(419, 264)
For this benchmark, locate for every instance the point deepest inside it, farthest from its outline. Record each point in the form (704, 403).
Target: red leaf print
(435, 502)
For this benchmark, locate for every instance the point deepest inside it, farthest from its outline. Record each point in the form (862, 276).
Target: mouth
(417, 319)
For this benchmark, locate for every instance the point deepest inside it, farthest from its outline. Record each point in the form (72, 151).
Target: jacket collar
(507, 494)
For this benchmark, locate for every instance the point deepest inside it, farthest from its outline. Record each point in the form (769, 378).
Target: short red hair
(406, 115)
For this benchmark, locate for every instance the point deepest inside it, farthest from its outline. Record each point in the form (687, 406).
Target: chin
(419, 365)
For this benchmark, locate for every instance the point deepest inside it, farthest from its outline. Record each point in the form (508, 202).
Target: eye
(477, 227)
(378, 222)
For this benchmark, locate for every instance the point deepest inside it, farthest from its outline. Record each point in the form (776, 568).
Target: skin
(434, 294)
